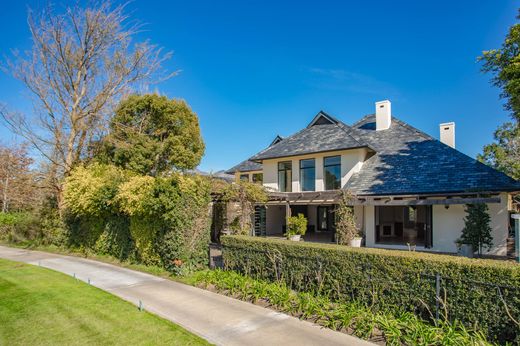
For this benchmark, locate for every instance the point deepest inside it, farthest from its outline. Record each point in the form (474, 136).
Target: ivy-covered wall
(162, 221)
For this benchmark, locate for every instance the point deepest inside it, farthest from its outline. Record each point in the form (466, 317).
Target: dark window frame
(336, 186)
(307, 169)
(287, 176)
(244, 175)
(255, 180)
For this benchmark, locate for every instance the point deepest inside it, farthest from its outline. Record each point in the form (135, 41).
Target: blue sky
(255, 69)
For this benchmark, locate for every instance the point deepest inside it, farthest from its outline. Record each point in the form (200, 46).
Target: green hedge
(475, 292)
(158, 221)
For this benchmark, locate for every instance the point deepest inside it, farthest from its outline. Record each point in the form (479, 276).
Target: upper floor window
(285, 176)
(244, 177)
(332, 172)
(307, 175)
(258, 178)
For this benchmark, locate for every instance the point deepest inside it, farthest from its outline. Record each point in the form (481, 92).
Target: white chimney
(448, 134)
(383, 115)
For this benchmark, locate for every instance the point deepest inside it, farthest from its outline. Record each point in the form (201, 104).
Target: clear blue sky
(254, 69)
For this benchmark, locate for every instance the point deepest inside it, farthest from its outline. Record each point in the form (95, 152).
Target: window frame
(253, 179)
(287, 176)
(304, 169)
(325, 171)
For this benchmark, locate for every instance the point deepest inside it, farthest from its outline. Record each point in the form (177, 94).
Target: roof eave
(262, 158)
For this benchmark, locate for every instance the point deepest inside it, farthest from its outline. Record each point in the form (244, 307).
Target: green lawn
(42, 307)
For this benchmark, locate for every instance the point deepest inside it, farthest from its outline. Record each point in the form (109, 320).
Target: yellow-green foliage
(296, 225)
(153, 220)
(91, 190)
(134, 194)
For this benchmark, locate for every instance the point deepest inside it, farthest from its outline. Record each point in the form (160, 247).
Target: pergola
(334, 196)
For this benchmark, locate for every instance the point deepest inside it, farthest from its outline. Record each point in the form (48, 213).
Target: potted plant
(463, 249)
(296, 227)
(356, 240)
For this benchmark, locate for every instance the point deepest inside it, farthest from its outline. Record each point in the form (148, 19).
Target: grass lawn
(41, 307)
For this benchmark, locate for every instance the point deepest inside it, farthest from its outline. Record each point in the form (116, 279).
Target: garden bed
(381, 327)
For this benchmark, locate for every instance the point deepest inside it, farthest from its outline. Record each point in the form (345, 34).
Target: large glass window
(244, 177)
(258, 178)
(332, 172)
(402, 225)
(307, 175)
(285, 176)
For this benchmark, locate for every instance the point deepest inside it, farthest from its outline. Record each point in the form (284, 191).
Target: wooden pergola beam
(330, 197)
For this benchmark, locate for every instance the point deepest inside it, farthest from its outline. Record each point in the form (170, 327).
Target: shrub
(154, 221)
(91, 190)
(19, 227)
(395, 327)
(296, 225)
(346, 228)
(482, 293)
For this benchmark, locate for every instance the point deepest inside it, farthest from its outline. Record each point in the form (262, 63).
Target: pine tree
(477, 230)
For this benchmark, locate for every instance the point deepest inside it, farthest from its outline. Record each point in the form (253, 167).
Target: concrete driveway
(217, 318)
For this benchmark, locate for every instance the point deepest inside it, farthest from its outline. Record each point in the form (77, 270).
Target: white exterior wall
(448, 225)
(370, 226)
(351, 162)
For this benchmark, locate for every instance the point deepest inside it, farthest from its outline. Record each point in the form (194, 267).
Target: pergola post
(287, 212)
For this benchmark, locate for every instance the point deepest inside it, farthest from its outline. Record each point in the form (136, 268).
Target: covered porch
(421, 222)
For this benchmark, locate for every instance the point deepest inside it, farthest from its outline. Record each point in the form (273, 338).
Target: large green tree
(152, 134)
(504, 64)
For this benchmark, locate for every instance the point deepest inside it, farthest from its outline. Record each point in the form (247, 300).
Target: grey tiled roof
(248, 165)
(407, 161)
(323, 136)
(245, 166)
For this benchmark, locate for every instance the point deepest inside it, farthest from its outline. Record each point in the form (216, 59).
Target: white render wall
(351, 162)
(448, 225)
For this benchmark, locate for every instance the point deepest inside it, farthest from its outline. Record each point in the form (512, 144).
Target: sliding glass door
(404, 225)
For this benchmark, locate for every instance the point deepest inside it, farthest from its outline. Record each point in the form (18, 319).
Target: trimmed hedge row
(483, 293)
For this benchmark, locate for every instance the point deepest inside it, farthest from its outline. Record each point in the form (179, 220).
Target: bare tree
(82, 62)
(18, 183)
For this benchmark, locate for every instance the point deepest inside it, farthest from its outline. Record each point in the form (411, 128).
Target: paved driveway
(217, 318)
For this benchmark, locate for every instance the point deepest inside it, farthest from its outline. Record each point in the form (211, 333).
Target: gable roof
(324, 133)
(408, 161)
(277, 139)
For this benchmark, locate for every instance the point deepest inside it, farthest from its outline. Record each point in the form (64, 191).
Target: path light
(141, 307)
(88, 281)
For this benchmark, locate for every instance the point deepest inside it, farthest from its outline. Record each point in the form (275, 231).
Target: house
(410, 189)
